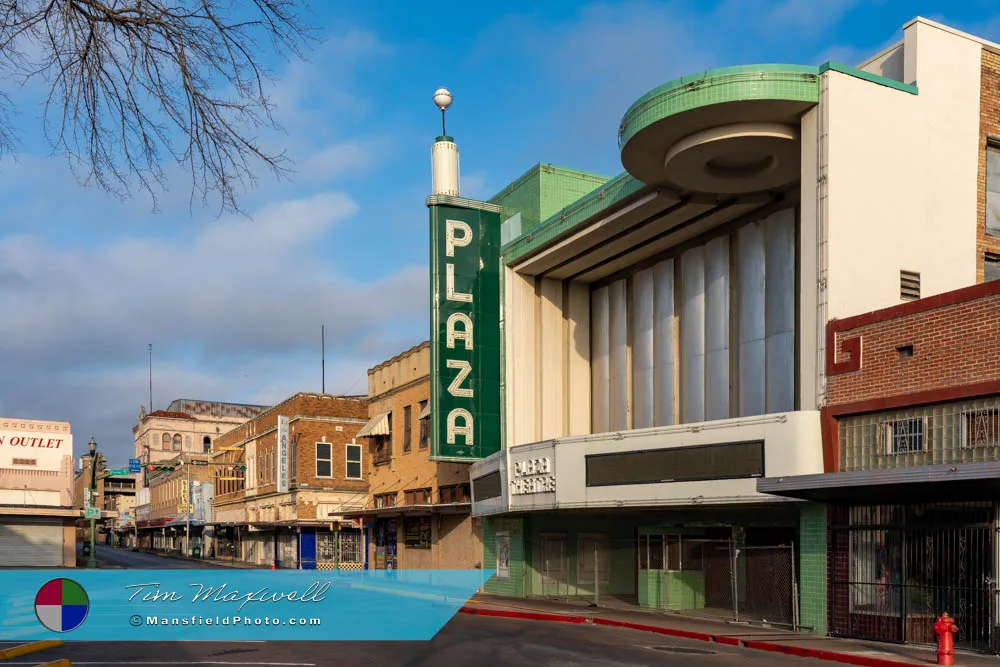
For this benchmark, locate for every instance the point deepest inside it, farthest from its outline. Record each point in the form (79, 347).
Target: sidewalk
(844, 651)
(221, 562)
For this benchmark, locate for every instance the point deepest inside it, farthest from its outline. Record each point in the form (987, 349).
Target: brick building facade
(911, 447)
(283, 504)
(418, 510)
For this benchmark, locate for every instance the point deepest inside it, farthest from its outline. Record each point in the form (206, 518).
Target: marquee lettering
(465, 430)
(464, 334)
(455, 388)
(451, 241)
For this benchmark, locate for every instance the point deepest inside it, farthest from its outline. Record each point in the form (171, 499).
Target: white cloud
(233, 312)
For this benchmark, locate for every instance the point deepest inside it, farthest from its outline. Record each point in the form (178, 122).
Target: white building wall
(902, 175)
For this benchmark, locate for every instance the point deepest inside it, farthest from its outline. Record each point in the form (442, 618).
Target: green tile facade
(812, 568)
(543, 191)
(514, 585)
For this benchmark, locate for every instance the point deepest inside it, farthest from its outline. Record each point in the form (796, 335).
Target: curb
(797, 651)
(63, 662)
(25, 649)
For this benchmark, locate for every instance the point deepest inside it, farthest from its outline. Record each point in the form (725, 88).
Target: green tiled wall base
(812, 568)
(685, 590)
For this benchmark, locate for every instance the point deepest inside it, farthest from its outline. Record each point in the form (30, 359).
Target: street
(139, 560)
(466, 640)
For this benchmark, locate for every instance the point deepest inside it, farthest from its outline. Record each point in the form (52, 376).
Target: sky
(233, 305)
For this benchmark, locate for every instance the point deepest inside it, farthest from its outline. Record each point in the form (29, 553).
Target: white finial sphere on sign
(442, 98)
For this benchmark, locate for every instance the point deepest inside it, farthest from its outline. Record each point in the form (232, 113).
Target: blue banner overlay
(232, 605)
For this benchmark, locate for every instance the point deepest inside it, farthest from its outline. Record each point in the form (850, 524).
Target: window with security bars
(981, 428)
(905, 436)
(384, 500)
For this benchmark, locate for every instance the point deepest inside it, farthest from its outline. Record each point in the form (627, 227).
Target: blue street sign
(134, 466)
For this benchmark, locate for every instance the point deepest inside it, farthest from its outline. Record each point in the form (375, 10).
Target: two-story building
(38, 514)
(418, 513)
(284, 479)
(911, 440)
(662, 338)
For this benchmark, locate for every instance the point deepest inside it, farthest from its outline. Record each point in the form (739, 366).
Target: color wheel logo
(61, 605)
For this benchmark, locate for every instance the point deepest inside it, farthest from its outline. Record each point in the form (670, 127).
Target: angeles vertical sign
(282, 454)
(465, 329)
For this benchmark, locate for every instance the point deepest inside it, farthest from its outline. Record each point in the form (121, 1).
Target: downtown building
(38, 512)
(418, 514)
(284, 481)
(638, 372)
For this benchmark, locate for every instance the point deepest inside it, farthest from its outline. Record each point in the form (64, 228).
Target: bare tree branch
(130, 81)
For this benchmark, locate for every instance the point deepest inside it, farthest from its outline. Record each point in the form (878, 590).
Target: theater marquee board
(465, 329)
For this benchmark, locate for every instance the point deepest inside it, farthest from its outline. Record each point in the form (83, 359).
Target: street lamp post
(92, 560)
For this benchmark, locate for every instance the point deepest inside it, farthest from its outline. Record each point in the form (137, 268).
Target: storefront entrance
(896, 568)
(385, 544)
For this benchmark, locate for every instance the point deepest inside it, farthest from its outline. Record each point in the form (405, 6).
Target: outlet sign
(465, 330)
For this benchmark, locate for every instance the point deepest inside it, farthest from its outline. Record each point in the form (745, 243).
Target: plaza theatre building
(663, 334)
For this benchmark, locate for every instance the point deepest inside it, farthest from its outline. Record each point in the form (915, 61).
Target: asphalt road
(138, 560)
(466, 640)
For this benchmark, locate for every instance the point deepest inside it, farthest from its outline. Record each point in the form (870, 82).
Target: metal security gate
(896, 568)
(31, 545)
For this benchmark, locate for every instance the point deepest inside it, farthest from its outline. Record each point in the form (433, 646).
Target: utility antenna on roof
(150, 377)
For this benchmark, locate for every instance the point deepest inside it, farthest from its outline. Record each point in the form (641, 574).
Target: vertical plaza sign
(465, 328)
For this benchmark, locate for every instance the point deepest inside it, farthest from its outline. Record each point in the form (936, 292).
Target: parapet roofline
(954, 31)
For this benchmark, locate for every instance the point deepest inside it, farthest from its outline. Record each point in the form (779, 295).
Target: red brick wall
(309, 432)
(953, 345)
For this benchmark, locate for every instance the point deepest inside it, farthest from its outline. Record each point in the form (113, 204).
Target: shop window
(353, 461)
(383, 500)
(418, 496)
(417, 532)
(407, 428)
(425, 428)
(593, 556)
(324, 459)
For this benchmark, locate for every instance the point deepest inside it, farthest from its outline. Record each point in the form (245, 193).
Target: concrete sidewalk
(844, 651)
(235, 564)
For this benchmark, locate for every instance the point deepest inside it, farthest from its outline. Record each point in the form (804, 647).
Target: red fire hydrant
(945, 629)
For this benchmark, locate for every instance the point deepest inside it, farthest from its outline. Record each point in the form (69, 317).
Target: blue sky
(233, 306)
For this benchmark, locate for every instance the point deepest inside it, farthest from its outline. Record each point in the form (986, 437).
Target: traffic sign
(198, 462)
(93, 513)
(134, 465)
(118, 472)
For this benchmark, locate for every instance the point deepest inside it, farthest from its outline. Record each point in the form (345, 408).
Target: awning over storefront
(379, 425)
(426, 412)
(937, 483)
(415, 510)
